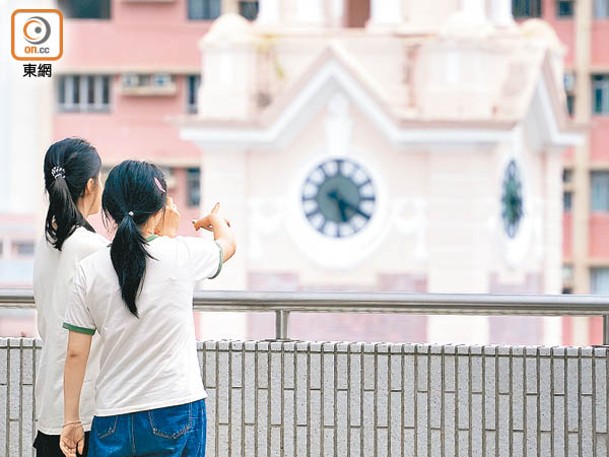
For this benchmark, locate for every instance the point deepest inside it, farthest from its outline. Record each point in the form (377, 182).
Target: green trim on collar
(220, 262)
(74, 328)
(151, 237)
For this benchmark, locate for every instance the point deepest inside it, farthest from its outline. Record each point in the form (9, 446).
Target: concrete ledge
(269, 398)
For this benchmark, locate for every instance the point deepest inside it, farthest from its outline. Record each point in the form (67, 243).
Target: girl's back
(148, 361)
(73, 187)
(53, 275)
(138, 296)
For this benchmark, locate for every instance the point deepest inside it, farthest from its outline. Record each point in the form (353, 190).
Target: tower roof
(538, 29)
(464, 25)
(230, 28)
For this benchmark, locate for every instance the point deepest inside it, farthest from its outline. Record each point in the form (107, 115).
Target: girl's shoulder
(180, 245)
(191, 242)
(83, 242)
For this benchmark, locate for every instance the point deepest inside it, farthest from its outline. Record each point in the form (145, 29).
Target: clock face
(512, 206)
(338, 198)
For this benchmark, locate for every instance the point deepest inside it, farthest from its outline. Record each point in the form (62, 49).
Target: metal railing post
(281, 325)
(606, 329)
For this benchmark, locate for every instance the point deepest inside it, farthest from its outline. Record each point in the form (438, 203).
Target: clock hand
(356, 209)
(342, 208)
(341, 203)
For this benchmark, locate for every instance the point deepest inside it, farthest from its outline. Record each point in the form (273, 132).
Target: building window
(526, 8)
(23, 248)
(567, 279)
(248, 9)
(567, 195)
(600, 94)
(567, 201)
(601, 9)
(356, 13)
(83, 93)
(600, 191)
(206, 10)
(170, 176)
(599, 281)
(192, 93)
(569, 84)
(565, 8)
(193, 187)
(85, 9)
(571, 104)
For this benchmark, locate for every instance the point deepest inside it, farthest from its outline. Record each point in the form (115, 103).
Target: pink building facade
(583, 28)
(121, 81)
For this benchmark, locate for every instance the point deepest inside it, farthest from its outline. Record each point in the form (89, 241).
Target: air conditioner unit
(130, 80)
(146, 84)
(569, 82)
(161, 80)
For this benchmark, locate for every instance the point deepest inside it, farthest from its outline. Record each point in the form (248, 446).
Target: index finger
(216, 207)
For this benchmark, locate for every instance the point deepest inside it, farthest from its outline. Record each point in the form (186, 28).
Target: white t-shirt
(151, 361)
(53, 276)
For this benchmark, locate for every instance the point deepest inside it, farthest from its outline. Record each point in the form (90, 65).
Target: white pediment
(333, 75)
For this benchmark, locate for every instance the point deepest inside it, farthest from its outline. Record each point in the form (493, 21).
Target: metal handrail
(283, 303)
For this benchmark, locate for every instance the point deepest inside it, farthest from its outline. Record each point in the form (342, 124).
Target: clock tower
(421, 153)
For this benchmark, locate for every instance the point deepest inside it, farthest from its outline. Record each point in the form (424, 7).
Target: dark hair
(130, 197)
(68, 166)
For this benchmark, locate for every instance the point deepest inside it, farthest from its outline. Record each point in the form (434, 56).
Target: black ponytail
(130, 197)
(128, 253)
(68, 166)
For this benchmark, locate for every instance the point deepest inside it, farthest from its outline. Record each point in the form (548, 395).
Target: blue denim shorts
(172, 431)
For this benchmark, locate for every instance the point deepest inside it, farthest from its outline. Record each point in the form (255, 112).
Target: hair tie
(58, 171)
(130, 213)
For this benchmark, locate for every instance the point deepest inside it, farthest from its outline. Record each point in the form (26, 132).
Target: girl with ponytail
(71, 177)
(138, 296)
